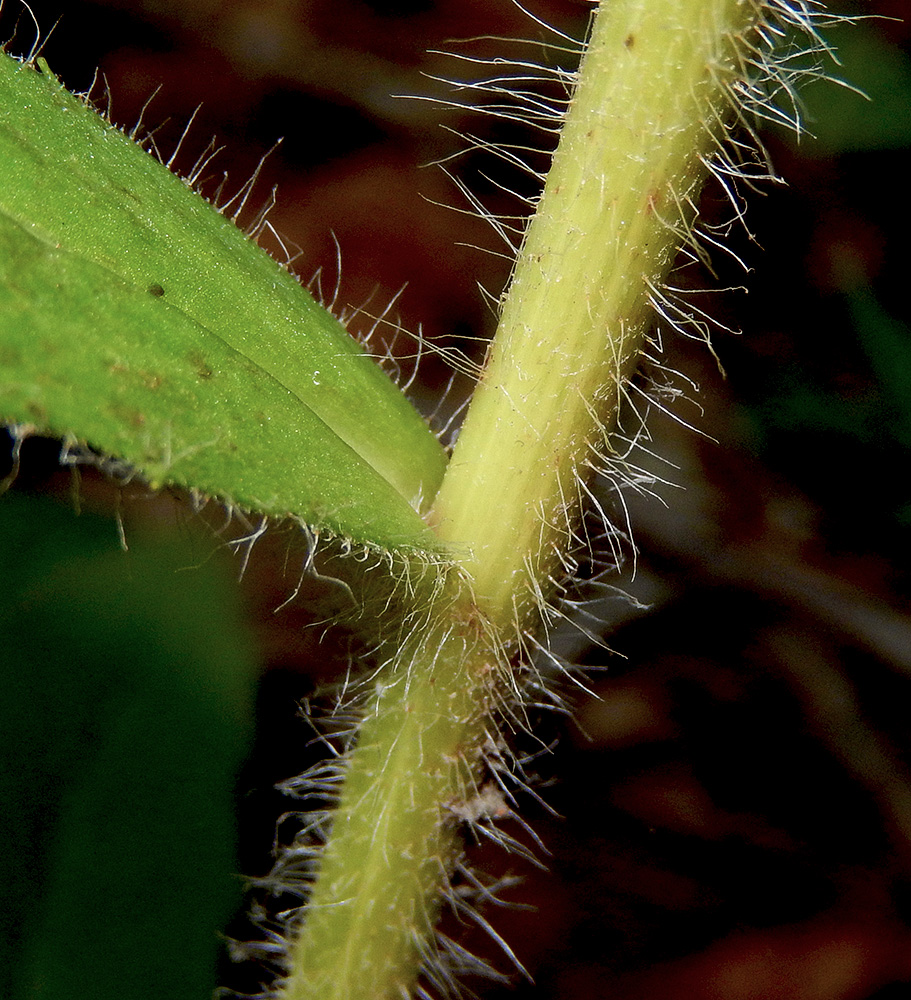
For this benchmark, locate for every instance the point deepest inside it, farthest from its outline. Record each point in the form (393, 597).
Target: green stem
(394, 840)
(648, 111)
(619, 199)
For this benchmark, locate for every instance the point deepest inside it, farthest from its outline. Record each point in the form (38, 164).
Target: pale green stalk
(618, 202)
(617, 205)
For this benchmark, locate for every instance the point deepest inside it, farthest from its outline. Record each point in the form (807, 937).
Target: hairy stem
(651, 105)
(394, 837)
(618, 203)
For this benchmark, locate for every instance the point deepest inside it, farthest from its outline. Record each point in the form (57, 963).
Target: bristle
(517, 671)
(19, 433)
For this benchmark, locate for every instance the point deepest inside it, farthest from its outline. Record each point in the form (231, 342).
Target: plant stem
(620, 199)
(393, 841)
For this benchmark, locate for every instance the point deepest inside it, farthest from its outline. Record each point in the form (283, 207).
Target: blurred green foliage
(872, 110)
(127, 683)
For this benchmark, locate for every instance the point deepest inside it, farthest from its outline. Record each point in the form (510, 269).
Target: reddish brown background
(735, 807)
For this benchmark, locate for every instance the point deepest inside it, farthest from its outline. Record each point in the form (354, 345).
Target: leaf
(872, 111)
(135, 317)
(126, 713)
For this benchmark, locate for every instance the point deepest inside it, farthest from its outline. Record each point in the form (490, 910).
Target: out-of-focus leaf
(135, 317)
(125, 714)
(843, 120)
(887, 342)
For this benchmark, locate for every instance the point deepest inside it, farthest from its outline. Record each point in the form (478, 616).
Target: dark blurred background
(733, 802)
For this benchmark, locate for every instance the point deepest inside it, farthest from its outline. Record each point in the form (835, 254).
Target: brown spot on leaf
(198, 361)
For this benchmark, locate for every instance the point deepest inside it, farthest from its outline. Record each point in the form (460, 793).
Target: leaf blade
(127, 713)
(144, 253)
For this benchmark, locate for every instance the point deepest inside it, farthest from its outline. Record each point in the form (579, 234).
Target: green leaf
(887, 342)
(135, 317)
(870, 113)
(126, 713)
